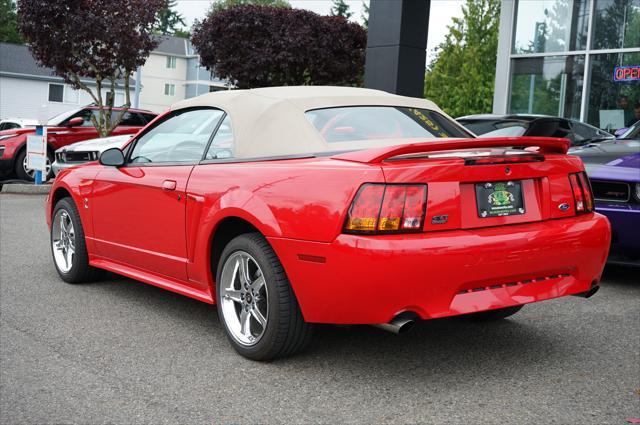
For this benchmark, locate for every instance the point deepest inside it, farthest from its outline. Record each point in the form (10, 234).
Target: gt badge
(439, 219)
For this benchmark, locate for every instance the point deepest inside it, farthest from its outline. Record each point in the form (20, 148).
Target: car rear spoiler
(377, 155)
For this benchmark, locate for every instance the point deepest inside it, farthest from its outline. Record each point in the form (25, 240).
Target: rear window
(511, 131)
(482, 127)
(148, 117)
(347, 124)
(130, 119)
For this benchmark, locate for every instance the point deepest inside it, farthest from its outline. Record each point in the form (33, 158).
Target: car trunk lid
(482, 182)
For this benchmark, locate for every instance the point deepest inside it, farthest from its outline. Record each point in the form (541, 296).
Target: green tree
(462, 76)
(365, 14)
(9, 22)
(219, 5)
(340, 8)
(169, 22)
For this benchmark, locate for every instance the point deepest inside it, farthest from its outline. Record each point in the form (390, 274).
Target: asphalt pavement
(120, 351)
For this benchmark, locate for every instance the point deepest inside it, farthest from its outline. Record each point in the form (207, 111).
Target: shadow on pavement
(622, 276)
(456, 345)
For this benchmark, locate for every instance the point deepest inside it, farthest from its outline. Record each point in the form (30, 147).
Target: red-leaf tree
(261, 46)
(104, 40)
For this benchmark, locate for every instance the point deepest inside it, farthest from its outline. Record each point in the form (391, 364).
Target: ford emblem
(563, 207)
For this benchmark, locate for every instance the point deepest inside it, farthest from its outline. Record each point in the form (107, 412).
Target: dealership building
(573, 58)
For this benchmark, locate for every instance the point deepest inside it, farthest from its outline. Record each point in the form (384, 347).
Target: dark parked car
(62, 130)
(613, 168)
(579, 133)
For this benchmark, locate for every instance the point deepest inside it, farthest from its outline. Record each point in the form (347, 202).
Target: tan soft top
(271, 121)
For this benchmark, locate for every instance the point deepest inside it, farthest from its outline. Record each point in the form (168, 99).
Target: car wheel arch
(56, 195)
(226, 229)
(59, 192)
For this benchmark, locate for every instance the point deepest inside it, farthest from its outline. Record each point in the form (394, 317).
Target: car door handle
(169, 185)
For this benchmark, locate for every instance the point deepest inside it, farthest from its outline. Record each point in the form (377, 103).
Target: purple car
(613, 168)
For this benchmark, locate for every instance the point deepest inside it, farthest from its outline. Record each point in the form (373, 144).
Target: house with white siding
(171, 73)
(28, 90)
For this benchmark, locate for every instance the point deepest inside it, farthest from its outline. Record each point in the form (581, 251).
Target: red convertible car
(293, 206)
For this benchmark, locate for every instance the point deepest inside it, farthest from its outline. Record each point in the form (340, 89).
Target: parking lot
(124, 352)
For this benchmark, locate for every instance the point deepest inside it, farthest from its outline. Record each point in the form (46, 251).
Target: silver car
(85, 151)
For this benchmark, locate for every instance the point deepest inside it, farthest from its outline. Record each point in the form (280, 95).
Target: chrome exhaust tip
(397, 325)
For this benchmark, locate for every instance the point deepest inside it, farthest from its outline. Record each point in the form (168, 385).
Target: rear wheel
(68, 245)
(498, 314)
(256, 305)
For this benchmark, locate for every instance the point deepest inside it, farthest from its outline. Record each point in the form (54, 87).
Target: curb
(30, 189)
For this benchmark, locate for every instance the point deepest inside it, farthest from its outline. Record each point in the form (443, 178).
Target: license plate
(497, 199)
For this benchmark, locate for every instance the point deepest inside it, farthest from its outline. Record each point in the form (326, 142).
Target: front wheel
(68, 245)
(256, 305)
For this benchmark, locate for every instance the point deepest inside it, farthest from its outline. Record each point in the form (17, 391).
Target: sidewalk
(24, 187)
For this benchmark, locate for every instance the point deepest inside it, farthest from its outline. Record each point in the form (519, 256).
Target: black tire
(286, 332)
(18, 168)
(80, 271)
(498, 314)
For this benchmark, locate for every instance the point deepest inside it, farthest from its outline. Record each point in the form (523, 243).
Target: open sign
(626, 73)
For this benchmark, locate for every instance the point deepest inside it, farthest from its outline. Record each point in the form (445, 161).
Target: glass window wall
(612, 104)
(549, 26)
(550, 85)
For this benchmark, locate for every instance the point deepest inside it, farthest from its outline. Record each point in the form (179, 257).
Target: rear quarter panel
(302, 199)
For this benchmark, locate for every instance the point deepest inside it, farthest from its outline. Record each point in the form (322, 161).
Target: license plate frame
(499, 199)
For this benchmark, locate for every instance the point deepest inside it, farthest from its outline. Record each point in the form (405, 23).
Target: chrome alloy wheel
(63, 241)
(31, 173)
(243, 298)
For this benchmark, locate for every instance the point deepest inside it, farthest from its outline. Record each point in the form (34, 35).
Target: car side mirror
(112, 157)
(74, 122)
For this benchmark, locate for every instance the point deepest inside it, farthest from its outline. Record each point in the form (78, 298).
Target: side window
(222, 144)
(86, 116)
(129, 119)
(148, 117)
(181, 137)
(8, 126)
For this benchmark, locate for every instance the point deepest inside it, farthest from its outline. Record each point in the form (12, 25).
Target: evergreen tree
(461, 78)
(169, 22)
(340, 8)
(9, 22)
(365, 13)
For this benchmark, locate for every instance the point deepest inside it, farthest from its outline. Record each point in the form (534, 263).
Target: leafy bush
(260, 46)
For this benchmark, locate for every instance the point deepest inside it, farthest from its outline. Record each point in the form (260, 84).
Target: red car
(292, 206)
(64, 129)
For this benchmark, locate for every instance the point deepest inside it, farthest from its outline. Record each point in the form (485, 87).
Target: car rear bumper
(367, 280)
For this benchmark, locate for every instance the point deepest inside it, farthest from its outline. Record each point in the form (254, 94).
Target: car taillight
(582, 194)
(387, 208)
